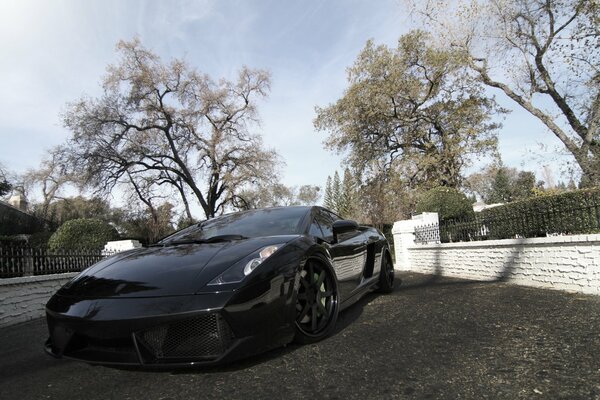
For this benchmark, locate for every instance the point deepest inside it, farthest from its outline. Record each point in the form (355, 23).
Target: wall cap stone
(571, 240)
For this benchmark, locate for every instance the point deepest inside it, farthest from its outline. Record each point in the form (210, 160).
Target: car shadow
(345, 319)
(441, 281)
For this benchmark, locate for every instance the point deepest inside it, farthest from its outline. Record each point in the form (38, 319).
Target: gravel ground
(432, 338)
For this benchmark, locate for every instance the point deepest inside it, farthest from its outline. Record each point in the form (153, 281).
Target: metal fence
(572, 221)
(19, 260)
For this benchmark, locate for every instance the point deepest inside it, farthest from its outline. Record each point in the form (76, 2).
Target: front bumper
(186, 330)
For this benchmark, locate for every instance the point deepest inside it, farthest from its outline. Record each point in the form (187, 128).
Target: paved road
(432, 338)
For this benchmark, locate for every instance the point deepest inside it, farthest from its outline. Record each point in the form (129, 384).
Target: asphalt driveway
(431, 338)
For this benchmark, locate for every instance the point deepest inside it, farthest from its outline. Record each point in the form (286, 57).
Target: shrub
(575, 212)
(12, 239)
(449, 203)
(39, 239)
(88, 233)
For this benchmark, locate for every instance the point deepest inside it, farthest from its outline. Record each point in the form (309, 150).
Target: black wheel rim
(317, 299)
(389, 270)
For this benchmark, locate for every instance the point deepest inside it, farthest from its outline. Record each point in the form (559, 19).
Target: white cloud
(53, 52)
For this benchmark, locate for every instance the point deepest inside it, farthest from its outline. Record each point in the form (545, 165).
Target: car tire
(317, 302)
(386, 275)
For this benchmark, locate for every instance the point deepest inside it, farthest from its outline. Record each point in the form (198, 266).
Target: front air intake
(203, 337)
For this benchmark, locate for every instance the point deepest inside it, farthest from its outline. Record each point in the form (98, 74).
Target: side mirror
(343, 226)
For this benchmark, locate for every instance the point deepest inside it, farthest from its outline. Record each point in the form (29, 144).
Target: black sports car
(220, 290)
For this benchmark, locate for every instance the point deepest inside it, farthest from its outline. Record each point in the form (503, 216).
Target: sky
(54, 51)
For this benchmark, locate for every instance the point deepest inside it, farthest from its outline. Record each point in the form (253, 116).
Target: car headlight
(241, 269)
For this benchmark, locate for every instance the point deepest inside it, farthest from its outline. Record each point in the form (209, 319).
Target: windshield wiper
(178, 242)
(224, 238)
(214, 239)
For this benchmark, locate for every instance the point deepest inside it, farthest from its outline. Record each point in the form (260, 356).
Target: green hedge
(576, 212)
(88, 233)
(449, 203)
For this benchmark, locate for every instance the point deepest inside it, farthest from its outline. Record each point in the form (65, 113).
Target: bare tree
(50, 178)
(276, 194)
(307, 194)
(155, 222)
(170, 124)
(542, 54)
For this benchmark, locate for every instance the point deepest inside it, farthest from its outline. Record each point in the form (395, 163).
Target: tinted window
(332, 216)
(314, 230)
(267, 222)
(325, 220)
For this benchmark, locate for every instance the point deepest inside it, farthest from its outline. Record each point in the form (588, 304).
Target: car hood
(163, 271)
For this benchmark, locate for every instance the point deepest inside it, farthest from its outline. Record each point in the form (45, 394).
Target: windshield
(255, 223)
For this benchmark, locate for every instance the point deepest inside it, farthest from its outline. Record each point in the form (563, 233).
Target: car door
(348, 253)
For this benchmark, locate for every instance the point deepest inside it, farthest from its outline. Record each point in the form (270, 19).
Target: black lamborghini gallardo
(220, 290)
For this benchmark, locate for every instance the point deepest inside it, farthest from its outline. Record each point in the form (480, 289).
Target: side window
(325, 221)
(332, 216)
(344, 236)
(315, 230)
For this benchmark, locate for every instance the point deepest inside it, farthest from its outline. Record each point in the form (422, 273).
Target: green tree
(336, 192)
(449, 203)
(347, 201)
(148, 224)
(62, 210)
(415, 107)
(542, 54)
(501, 184)
(377, 200)
(163, 124)
(83, 233)
(5, 185)
(328, 200)
(501, 188)
(184, 221)
(524, 186)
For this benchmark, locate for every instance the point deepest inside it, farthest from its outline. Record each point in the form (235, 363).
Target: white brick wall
(22, 299)
(566, 262)
(569, 263)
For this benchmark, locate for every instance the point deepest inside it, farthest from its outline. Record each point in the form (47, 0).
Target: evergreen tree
(348, 195)
(501, 188)
(336, 193)
(523, 185)
(328, 200)
(509, 184)
(341, 194)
